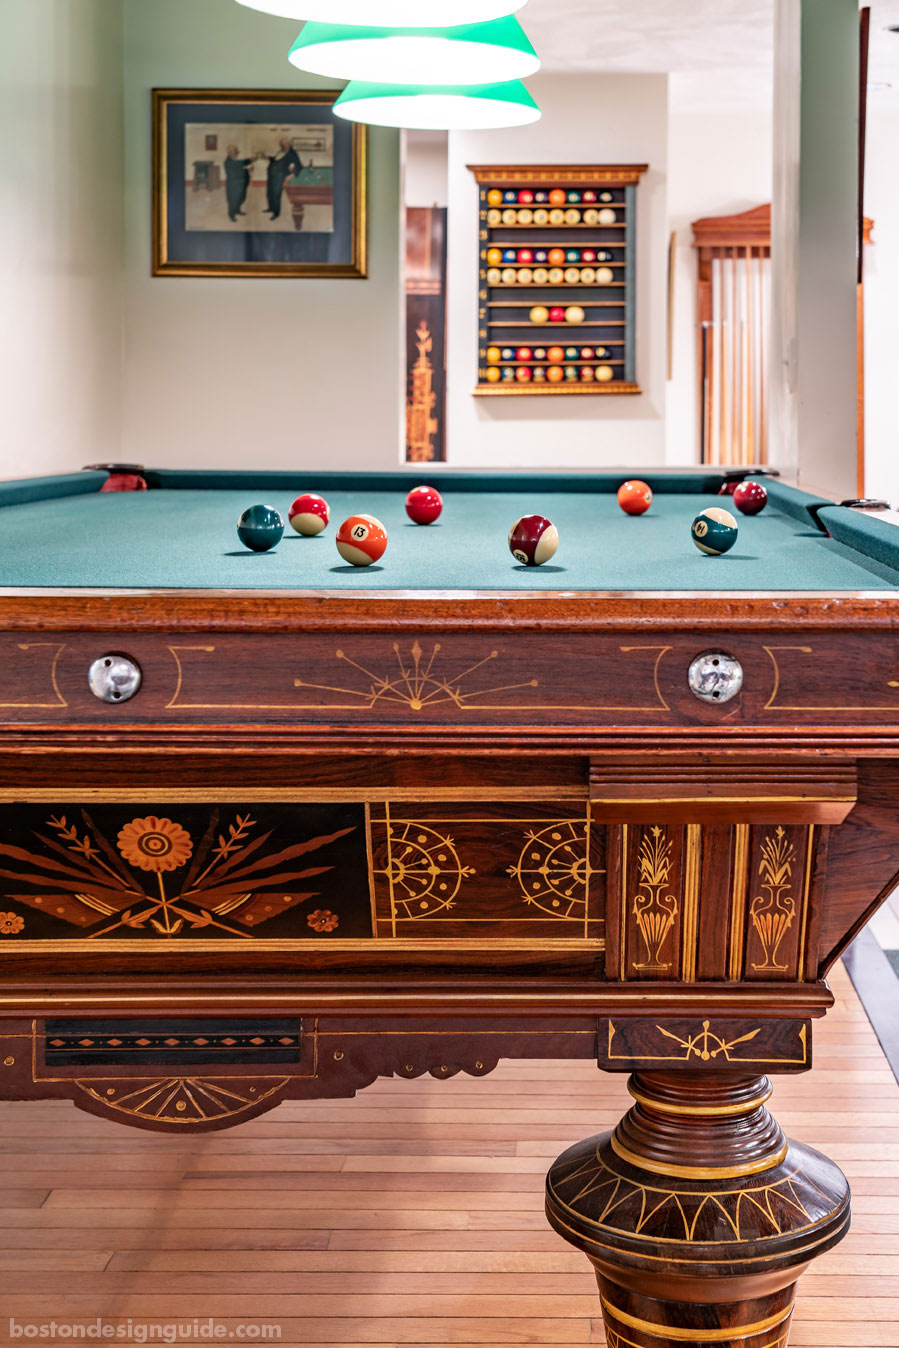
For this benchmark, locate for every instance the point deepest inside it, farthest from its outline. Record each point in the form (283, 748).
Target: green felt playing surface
(185, 538)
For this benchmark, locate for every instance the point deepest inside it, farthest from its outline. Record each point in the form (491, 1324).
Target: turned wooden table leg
(697, 1214)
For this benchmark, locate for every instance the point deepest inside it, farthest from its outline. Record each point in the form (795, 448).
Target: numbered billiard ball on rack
(424, 504)
(557, 197)
(260, 528)
(525, 197)
(750, 497)
(361, 540)
(309, 513)
(533, 539)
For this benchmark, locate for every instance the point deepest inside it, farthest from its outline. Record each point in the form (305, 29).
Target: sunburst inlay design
(424, 870)
(183, 1100)
(414, 682)
(554, 869)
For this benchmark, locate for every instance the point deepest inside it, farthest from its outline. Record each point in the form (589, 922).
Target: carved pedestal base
(697, 1214)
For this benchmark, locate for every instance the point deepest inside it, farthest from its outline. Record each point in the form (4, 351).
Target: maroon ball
(750, 497)
(533, 540)
(423, 505)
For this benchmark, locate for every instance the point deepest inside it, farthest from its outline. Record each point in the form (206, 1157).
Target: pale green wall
(204, 356)
(60, 233)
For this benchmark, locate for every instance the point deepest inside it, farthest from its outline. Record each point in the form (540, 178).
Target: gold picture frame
(216, 151)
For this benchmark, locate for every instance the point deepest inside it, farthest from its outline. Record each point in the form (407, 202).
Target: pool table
(272, 826)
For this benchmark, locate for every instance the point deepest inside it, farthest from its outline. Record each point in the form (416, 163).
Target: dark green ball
(260, 528)
(714, 531)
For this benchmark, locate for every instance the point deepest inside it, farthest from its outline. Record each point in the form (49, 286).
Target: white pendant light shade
(480, 53)
(389, 13)
(438, 108)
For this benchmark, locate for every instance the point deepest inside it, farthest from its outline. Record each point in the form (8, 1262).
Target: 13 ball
(361, 540)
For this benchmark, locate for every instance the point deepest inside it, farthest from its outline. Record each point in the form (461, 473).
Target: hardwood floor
(412, 1215)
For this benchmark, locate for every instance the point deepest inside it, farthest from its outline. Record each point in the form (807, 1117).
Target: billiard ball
(591, 216)
(587, 353)
(557, 217)
(423, 505)
(525, 197)
(571, 374)
(533, 540)
(606, 217)
(523, 374)
(508, 353)
(539, 376)
(509, 255)
(260, 528)
(588, 276)
(541, 276)
(750, 497)
(571, 353)
(557, 314)
(510, 276)
(541, 255)
(574, 197)
(539, 314)
(588, 254)
(309, 514)
(604, 374)
(494, 276)
(587, 375)
(494, 197)
(555, 257)
(555, 374)
(634, 497)
(493, 374)
(605, 196)
(494, 255)
(540, 196)
(510, 196)
(555, 354)
(556, 276)
(525, 217)
(361, 540)
(508, 374)
(524, 255)
(572, 275)
(604, 257)
(493, 355)
(603, 353)
(539, 353)
(604, 276)
(525, 276)
(574, 314)
(541, 217)
(524, 353)
(573, 255)
(588, 195)
(572, 217)
(494, 217)
(557, 197)
(510, 217)
(714, 531)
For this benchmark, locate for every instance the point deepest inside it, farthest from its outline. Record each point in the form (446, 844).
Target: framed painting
(257, 183)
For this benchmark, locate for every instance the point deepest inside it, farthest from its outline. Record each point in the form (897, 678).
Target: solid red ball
(750, 497)
(524, 353)
(525, 255)
(423, 505)
(557, 314)
(525, 197)
(634, 497)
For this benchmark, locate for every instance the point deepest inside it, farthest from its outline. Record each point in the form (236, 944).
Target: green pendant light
(438, 107)
(390, 13)
(476, 53)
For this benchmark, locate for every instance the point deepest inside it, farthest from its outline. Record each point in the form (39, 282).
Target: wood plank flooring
(412, 1215)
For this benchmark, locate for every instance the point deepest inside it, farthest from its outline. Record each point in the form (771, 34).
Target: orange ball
(361, 540)
(494, 197)
(557, 197)
(554, 354)
(555, 257)
(555, 374)
(634, 497)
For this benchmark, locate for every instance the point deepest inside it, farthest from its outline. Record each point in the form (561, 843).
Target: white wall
(204, 356)
(424, 168)
(60, 234)
(598, 119)
(882, 299)
(719, 163)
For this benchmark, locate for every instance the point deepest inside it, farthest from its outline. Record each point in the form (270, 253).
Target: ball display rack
(556, 278)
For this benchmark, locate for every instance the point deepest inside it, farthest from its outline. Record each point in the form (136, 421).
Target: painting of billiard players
(250, 176)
